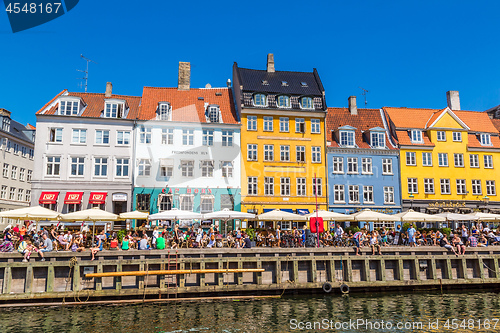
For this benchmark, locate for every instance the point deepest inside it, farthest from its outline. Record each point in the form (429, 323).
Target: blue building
(362, 163)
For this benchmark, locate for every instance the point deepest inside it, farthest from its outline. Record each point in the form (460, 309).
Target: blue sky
(406, 53)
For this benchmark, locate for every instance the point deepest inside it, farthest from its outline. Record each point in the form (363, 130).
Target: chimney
(353, 109)
(228, 83)
(109, 89)
(184, 76)
(4, 112)
(270, 63)
(453, 99)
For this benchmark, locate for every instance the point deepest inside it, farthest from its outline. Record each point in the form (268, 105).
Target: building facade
(363, 164)
(282, 139)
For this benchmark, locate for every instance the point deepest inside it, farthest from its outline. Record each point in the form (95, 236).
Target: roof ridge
(93, 93)
(265, 70)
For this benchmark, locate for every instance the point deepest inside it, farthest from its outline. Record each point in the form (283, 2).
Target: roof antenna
(86, 76)
(364, 95)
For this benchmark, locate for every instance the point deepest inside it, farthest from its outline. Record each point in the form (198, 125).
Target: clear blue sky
(406, 53)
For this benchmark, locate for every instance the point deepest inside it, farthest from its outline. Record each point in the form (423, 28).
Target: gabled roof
(438, 115)
(19, 131)
(188, 105)
(496, 123)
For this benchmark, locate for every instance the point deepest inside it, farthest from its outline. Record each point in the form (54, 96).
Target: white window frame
(22, 172)
(441, 135)
(227, 138)
(283, 101)
(251, 123)
(488, 161)
(352, 165)
(461, 186)
(284, 153)
(187, 168)
(366, 166)
(456, 136)
(122, 165)
(144, 167)
(416, 136)
(268, 153)
(317, 185)
(485, 139)
(338, 193)
(259, 99)
(5, 170)
(411, 158)
(208, 137)
(474, 160)
(227, 169)
(187, 137)
(79, 136)
(338, 164)
(213, 114)
(315, 126)
(13, 172)
(284, 124)
(269, 186)
(307, 103)
(77, 162)
(476, 187)
(268, 124)
(252, 152)
(55, 165)
(122, 138)
(429, 186)
(353, 193)
(100, 139)
(387, 166)
(252, 185)
(100, 165)
(458, 159)
(443, 159)
(377, 140)
(426, 159)
(315, 154)
(300, 154)
(301, 186)
(491, 188)
(285, 186)
(347, 139)
(72, 110)
(445, 185)
(145, 135)
(300, 122)
(56, 135)
(114, 110)
(167, 136)
(207, 168)
(368, 195)
(412, 185)
(164, 111)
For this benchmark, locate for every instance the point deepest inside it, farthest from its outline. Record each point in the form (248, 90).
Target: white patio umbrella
(35, 213)
(484, 216)
(413, 216)
(175, 214)
(368, 215)
(93, 214)
(134, 215)
(278, 215)
(457, 217)
(331, 216)
(226, 215)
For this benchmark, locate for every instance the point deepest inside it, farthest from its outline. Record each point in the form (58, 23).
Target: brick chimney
(109, 89)
(453, 100)
(270, 63)
(353, 109)
(4, 112)
(184, 76)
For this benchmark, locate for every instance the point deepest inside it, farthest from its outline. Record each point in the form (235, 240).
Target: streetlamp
(486, 201)
(411, 196)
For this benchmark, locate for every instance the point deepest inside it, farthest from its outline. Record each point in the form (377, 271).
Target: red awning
(97, 197)
(73, 198)
(48, 198)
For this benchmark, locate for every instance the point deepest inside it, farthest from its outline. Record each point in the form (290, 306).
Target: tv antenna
(364, 95)
(86, 72)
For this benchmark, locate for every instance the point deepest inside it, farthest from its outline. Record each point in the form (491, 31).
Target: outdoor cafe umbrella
(413, 216)
(484, 216)
(278, 215)
(456, 217)
(368, 215)
(35, 213)
(134, 215)
(331, 216)
(175, 214)
(226, 215)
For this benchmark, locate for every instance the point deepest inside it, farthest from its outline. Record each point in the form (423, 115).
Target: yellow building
(448, 158)
(282, 139)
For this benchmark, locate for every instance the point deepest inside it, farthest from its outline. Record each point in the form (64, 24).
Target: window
(68, 108)
(285, 153)
(284, 124)
(227, 138)
(441, 136)
(227, 201)
(301, 187)
(474, 160)
(113, 110)
(252, 185)
(429, 185)
(488, 161)
(315, 126)
(259, 100)
(31, 153)
(207, 204)
(283, 101)
(144, 167)
(251, 152)
(101, 137)
(208, 137)
(6, 124)
(3, 143)
(21, 174)
(353, 193)
(338, 194)
(12, 193)
(490, 187)
(53, 166)
(122, 167)
(347, 138)
(412, 185)
(352, 165)
(164, 111)
(6, 170)
(142, 201)
(459, 160)
(16, 148)
(416, 136)
(476, 187)
(20, 194)
(213, 114)
(285, 186)
(457, 136)
(268, 152)
(378, 140)
(28, 195)
(165, 202)
(338, 164)
(166, 171)
(23, 151)
(366, 165)
(443, 159)
(367, 194)
(268, 186)
(77, 166)
(227, 169)
(28, 177)
(411, 158)
(316, 154)
(3, 193)
(445, 186)
(79, 136)
(300, 125)
(187, 168)
(122, 137)
(306, 103)
(427, 159)
(485, 139)
(55, 135)
(145, 134)
(268, 124)
(251, 123)
(386, 166)
(187, 137)
(187, 202)
(300, 152)
(388, 195)
(207, 168)
(101, 167)
(167, 136)
(13, 173)
(317, 186)
(461, 187)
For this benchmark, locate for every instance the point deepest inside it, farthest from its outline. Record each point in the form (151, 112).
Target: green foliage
(446, 231)
(251, 233)
(122, 233)
(406, 226)
(352, 229)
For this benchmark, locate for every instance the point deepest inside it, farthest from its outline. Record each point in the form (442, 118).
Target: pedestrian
(411, 235)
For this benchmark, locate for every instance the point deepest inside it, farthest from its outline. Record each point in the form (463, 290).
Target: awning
(288, 210)
(73, 198)
(166, 162)
(97, 197)
(302, 211)
(48, 198)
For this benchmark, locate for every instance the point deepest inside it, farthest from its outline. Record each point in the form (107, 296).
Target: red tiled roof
(188, 105)
(363, 121)
(405, 140)
(475, 143)
(477, 121)
(496, 123)
(51, 101)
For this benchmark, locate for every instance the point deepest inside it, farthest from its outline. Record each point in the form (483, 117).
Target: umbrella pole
(93, 233)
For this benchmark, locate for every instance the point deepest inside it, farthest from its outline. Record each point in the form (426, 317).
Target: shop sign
(445, 204)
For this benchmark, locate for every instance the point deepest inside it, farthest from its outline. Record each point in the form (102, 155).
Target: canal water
(403, 312)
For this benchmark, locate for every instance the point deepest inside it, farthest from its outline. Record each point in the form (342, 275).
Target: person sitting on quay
(143, 243)
(125, 243)
(246, 241)
(457, 241)
(472, 241)
(113, 245)
(358, 239)
(62, 242)
(482, 241)
(7, 245)
(444, 243)
(160, 243)
(77, 245)
(27, 248)
(97, 247)
(47, 245)
(374, 243)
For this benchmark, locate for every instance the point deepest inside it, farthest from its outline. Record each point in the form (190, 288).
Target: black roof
(18, 130)
(252, 80)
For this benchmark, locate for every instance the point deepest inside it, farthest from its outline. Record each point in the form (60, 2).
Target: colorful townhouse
(363, 163)
(187, 149)
(449, 158)
(282, 139)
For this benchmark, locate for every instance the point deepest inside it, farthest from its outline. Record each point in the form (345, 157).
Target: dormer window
(303, 84)
(416, 136)
(213, 113)
(306, 103)
(283, 101)
(69, 108)
(265, 83)
(347, 138)
(378, 140)
(259, 100)
(485, 139)
(6, 124)
(164, 111)
(284, 84)
(114, 110)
